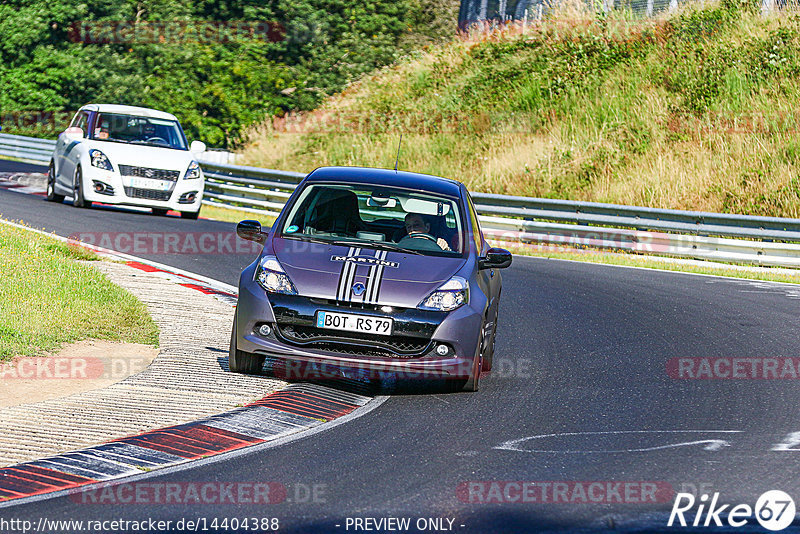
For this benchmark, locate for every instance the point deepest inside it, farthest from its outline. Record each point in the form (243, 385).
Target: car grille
(148, 194)
(353, 342)
(145, 172)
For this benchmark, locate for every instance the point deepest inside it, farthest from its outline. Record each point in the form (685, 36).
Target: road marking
(710, 444)
(790, 441)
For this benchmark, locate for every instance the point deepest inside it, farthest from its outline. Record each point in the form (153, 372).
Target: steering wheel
(152, 139)
(426, 236)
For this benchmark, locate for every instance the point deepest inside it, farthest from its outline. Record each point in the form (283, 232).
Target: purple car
(371, 269)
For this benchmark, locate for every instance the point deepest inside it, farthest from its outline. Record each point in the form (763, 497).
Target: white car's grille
(148, 194)
(145, 172)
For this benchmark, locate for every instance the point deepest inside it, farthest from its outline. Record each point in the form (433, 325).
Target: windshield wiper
(353, 243)
(162, 145)
(308, 238)
(374, 244)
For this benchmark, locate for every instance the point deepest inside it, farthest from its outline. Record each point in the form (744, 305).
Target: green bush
(217, 89)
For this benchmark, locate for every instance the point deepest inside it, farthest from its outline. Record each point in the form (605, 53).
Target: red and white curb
(217, 290)
(12, 185)
(296, 409)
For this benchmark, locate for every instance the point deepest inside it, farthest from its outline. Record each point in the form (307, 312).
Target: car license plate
(355, 323)
(148, 183)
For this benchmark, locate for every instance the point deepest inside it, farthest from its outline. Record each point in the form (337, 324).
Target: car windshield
(380, 217)
(134, 129)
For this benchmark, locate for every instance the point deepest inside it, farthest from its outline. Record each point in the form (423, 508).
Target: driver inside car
(419, 231)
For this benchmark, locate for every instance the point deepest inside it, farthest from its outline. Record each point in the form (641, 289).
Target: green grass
(699, 111)
(48, 299)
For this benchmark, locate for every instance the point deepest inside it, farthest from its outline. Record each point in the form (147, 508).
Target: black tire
(51, 185)
(77, 191)
(243, 362)
(473, 382)
(488, 355)
(192, 215)
(160, 212)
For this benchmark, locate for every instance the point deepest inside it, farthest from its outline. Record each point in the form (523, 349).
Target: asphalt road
(18, 166)
(580, 370)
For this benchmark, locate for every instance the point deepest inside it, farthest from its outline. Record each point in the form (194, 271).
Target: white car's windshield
(377, 216)
(133, 129)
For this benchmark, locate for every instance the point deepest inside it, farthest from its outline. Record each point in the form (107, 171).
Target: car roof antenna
(397, 160)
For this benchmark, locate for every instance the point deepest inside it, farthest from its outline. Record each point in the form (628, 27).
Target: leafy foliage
(217, 87)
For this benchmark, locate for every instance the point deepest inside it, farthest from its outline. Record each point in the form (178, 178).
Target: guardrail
(532, 222)
(27, 148)
(769, 241)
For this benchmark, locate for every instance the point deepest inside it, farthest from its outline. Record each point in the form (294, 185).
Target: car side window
(83, 123)
(477, 234)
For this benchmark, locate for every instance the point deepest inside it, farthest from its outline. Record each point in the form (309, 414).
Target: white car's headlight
(193, 171)
(271, 276)
(100, 160)
(449, 296)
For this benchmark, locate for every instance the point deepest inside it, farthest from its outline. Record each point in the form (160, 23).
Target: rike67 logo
(774, 510)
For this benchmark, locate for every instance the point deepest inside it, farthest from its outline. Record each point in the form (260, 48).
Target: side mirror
(251, 230)
(73, 132)
(197, 147)
(496, 258)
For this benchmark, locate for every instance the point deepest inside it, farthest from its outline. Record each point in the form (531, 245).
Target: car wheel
(160, 212)
(474, 379)
(51, 185)
(243, 362)
(488, 355)
(77, 191)
(190, 214)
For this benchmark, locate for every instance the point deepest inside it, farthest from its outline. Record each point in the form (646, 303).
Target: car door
(488, 279)
(66, 149)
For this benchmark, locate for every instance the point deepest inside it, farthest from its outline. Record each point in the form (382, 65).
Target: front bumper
(410, 352)
(115, 192)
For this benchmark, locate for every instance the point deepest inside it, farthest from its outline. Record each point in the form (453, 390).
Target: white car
(127, 155)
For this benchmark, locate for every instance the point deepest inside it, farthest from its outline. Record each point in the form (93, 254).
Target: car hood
(388, 278)
(144, 156)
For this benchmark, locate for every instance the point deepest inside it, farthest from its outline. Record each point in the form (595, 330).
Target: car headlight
(100, 160)
(449, 296)
(193, 171)
(271, 276)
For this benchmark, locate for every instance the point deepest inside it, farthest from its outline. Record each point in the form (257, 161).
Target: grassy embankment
(698, 111)
(47, 298)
